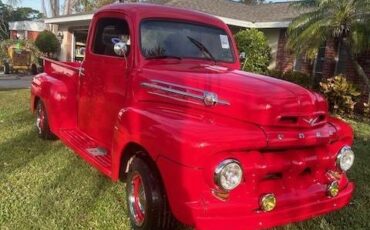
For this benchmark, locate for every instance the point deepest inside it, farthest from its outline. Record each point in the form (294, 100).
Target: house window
(21, 34)
(298, 62)
(110, 31)
(79, 41)
(319, 62)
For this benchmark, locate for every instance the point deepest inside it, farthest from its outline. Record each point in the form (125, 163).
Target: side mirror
(242, 56)
(120, 49)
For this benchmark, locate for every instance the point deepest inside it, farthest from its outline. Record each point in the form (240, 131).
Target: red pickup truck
(159, 102)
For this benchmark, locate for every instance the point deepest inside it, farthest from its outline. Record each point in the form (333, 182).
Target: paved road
(15, 81)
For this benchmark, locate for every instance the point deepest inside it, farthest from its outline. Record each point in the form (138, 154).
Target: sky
(36, 4)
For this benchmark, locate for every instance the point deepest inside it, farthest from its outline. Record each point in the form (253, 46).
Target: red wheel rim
(40, 120)
(137, 200)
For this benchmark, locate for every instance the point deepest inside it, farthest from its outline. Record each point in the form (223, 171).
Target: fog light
(333, 189)
(268, 202)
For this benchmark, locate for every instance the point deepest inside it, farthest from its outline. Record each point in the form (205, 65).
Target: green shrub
(340, 93)
(47, 43)
(274, 73)
(298, 78)
(295, 77)
(255, 45)
(367, 110)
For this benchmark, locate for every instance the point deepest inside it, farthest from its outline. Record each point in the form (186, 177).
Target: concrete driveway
(15, 81)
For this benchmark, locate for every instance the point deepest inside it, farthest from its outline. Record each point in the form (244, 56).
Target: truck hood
(241, 95)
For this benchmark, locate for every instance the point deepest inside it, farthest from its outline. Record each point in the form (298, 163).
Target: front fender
(187, 139)
(344, 130)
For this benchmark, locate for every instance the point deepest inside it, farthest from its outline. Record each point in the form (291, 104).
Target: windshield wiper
(202, 48)
(164, 57)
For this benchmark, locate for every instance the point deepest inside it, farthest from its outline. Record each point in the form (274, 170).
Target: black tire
(33, 69)
(157, 215)
(6, 68)
(42, 122)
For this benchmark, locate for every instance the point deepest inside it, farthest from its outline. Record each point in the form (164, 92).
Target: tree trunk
(43, 7)
(54, 7)
(67, 7)
(358, 68)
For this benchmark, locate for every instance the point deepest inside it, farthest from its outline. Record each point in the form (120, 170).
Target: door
(103, 79)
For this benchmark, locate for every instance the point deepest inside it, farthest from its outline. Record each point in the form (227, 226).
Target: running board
(98, 151)
(88, 148)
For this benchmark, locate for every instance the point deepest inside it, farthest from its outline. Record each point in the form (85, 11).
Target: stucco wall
(273, 39)
(66, 44)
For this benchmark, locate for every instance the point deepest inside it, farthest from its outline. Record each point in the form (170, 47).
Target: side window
(108, 32)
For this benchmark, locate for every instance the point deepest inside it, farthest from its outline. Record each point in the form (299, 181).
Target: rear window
(110, 31)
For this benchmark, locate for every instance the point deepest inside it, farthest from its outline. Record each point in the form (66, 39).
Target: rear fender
(59, 96)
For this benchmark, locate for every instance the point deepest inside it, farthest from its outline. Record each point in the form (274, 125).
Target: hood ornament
(210, 99)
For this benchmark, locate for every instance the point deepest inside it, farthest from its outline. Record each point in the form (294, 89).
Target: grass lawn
(44, 185)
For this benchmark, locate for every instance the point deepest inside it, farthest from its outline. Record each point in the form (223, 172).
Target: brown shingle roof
(271, 12)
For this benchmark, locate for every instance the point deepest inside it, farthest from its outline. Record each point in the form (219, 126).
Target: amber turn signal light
(268, 202)
(333, 189)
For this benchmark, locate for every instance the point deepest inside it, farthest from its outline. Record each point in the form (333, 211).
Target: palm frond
(339, 19)
(360, 37)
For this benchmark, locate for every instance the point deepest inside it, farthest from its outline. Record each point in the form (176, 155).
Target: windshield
(161, 39)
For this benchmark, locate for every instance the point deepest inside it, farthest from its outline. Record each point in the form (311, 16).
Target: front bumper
(299, 178)
(262, 220)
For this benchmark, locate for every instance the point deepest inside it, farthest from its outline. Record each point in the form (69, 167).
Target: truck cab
(159, 102)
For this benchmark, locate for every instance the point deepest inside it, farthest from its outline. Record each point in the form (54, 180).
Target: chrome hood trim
(183, 93)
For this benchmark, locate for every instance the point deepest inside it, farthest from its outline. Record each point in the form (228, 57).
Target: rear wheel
(42, 122)
(6, 68)
(33, 69)
(146, 200)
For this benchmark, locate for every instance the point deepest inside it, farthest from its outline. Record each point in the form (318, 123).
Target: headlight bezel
(344, 151)
(218, 173)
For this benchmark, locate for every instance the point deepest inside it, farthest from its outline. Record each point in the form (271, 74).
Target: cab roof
(141, 11)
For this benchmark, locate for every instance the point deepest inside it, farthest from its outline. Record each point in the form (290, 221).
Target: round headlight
(228, 174)
(345, 158)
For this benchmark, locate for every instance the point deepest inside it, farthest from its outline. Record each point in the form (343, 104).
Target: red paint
(265, 127)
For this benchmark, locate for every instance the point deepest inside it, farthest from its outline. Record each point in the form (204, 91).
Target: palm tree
(345, 21)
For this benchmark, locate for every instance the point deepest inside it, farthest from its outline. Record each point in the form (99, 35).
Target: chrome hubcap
(40, 119)
(137, 200)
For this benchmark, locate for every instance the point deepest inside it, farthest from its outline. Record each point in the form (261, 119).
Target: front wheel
(146, 200)
(42, 122)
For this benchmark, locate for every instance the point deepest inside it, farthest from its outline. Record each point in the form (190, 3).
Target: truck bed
(56, 68)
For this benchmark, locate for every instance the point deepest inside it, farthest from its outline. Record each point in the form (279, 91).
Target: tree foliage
(258, 53)
(23, 44)
(345, 21)
(47, 43)
(8, 13)
(90, 5)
